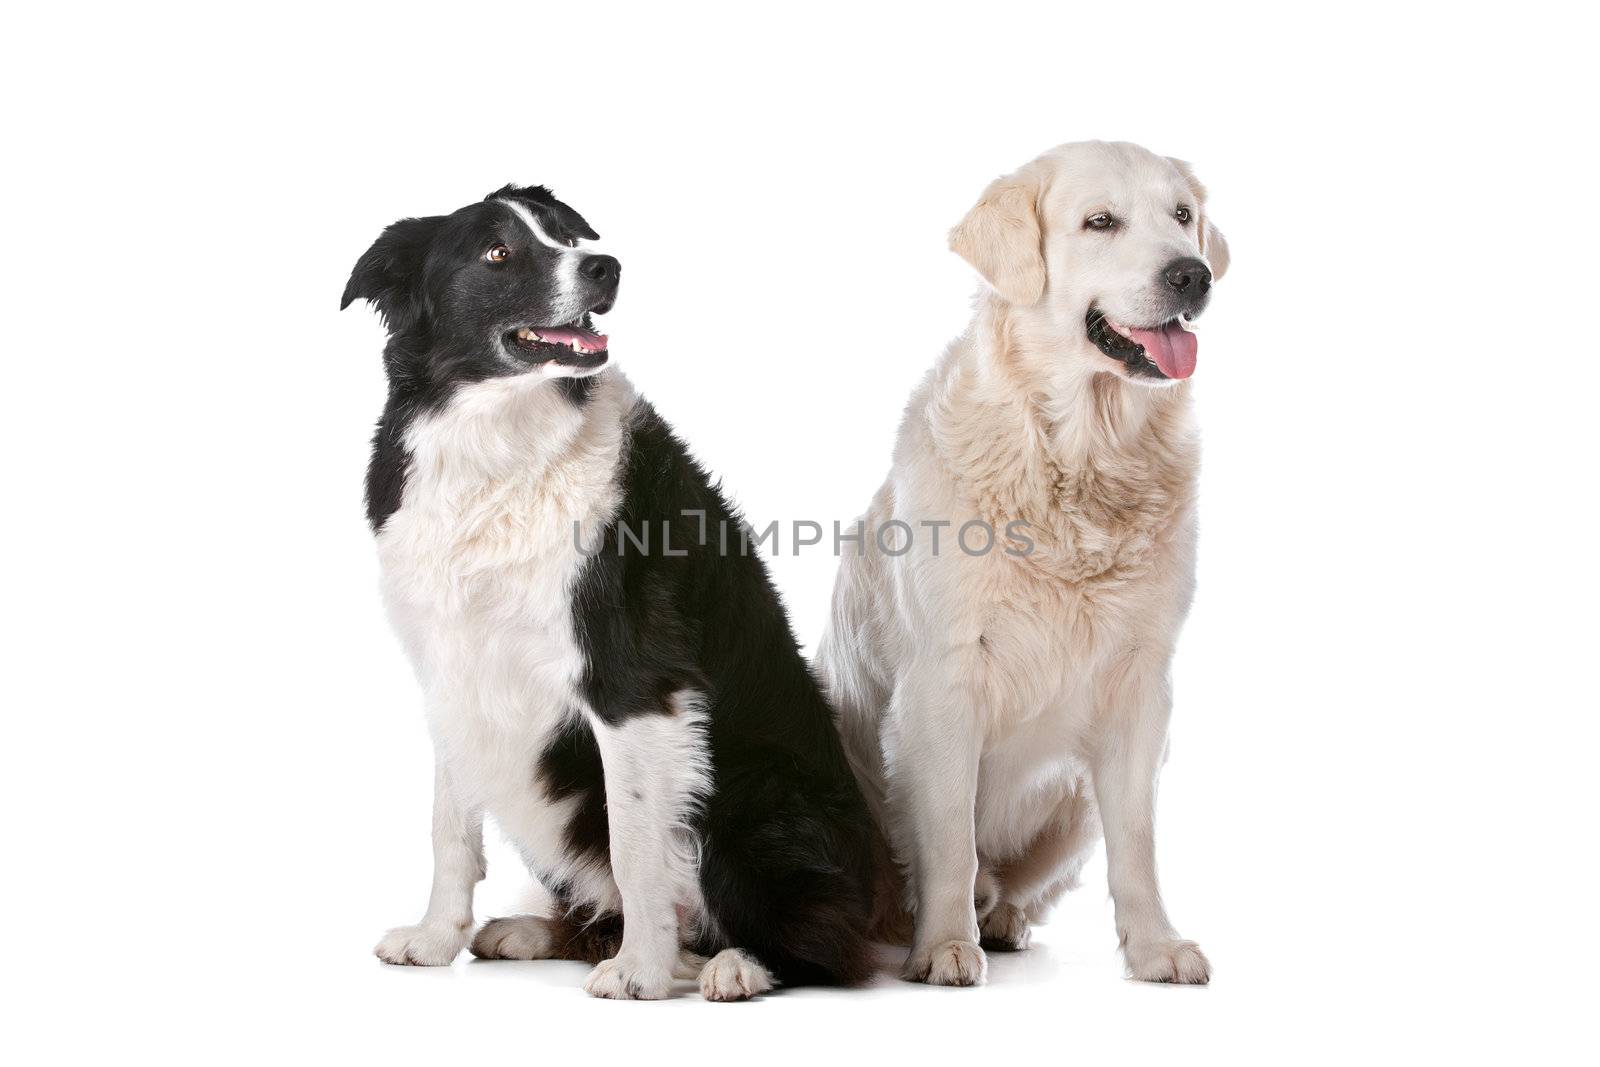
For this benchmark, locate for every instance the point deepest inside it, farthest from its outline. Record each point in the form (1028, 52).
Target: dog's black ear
(389, 274)
(567, 220)
(572, 222)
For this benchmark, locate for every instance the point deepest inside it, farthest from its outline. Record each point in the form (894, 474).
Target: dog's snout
(604, 270)
(1188, 276)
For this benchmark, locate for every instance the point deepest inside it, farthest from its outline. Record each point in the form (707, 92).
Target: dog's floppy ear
(389, 274)
(1213, 245)
(1002, 238)
(574, 223)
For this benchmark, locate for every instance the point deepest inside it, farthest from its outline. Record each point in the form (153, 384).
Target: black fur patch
(786, 858)
(570, 767)
(577, 390)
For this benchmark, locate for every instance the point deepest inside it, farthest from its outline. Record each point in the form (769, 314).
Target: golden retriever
(1006, 704)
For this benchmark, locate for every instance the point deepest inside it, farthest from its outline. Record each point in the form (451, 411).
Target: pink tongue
(574, 336)
(1172, 347)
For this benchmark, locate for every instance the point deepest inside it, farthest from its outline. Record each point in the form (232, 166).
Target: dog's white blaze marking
(566, 272)
(528, 220)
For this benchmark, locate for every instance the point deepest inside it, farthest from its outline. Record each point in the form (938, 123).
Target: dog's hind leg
(1029, 884)
(539, 937)
(786, 873)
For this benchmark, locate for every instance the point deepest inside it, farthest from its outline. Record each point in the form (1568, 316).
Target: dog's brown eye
(1183, 215)
(1102, 221)
(498, 254)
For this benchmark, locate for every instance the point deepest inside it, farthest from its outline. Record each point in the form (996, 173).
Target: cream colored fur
(1003, 710)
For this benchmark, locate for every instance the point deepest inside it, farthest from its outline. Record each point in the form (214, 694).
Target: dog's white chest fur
(478, 564)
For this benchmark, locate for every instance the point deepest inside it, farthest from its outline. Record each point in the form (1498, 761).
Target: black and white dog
(639, 722)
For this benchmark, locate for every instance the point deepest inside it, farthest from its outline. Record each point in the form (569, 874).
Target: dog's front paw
(1178, 962)
(731, 975)
(1005, 929)
(428, 944)
(948, 963)
(622, 979)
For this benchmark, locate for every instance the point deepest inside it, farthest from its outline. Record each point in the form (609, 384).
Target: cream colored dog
(1005, 706)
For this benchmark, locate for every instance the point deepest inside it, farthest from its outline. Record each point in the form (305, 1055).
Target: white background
(1378, 817)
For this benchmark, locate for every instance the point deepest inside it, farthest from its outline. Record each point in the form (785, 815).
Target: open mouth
(1160, 352)
(573, 345)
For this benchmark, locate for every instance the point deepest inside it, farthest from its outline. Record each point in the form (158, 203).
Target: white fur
(478, 567)
(657, 770)
(993, 704)
(457, 868)
(477, 563)
(516, 937)
(534, 226)
(732, 975)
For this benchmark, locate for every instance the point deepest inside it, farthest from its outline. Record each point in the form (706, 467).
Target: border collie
(641, 724)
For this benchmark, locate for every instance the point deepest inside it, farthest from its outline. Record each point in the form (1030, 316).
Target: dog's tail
(892, 922)
(787, 872)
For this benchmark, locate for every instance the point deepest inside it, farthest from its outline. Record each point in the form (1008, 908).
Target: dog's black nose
(1188, 276)
(603, 269)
